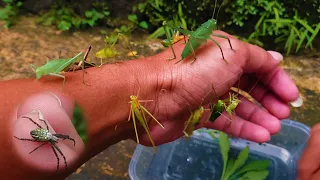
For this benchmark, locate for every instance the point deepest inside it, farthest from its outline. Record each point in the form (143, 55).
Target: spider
(44, 135)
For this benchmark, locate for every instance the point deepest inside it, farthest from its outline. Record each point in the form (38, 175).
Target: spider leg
(45, 123)
(32, 121)
(55, 153)
(65, 137)
(65, 161)
(24, 139)
(38, 147)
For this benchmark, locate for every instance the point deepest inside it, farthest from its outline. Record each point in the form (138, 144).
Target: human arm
(175, 89)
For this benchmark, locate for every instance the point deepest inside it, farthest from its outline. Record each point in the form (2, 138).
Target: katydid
(176, 37)
(55, 67)
(197, 38)
(110, 52)
(78, 66)
(137, 111)
(195, 118)
(193, 121)
(229, 104)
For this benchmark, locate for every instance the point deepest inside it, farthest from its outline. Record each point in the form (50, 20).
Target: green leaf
(224, 149)
(240, 161)
(159, 32)
(255, 175)
(302, 38)
(256, 165)
(64, 25)
(143, 24)
(8, 1)
(88, 14)
(133, 18)
(313, 36)
(229, 166)
(79, 122)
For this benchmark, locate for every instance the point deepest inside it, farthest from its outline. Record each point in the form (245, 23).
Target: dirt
(29, 43)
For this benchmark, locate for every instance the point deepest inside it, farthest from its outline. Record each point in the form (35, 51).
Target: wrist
(113, 85)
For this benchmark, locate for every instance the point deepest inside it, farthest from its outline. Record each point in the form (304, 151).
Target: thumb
(43, 134)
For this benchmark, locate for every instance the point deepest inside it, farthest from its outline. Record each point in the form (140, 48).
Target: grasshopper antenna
(219, 10)
(214, 10)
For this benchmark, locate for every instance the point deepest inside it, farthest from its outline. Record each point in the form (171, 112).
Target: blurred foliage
(256, 22)
(63, 16)
(80, 123)
(287, 25)
(9, 13)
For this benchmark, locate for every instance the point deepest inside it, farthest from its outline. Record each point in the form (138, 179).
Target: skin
(175, 89)
(309, 165)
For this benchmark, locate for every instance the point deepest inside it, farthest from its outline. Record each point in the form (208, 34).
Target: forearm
(104, 101)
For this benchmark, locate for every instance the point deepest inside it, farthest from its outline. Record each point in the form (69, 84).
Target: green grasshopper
(196, 38)
(137, 111)
(195, 118)
(176, 37)
(193, 121)
(56, 67)
(229, 104)
(110, 52)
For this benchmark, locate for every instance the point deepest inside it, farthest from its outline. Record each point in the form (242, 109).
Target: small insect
(193, 121)
(230, 103)
(197, 37)
(82, 64)
(176, 37)
(55, 67)
(137, 111)
(195, 118)
(110, 52)
(216, 110)
(44, 135)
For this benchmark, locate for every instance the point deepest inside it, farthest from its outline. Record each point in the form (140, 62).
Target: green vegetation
(289, 26)
(64, 17)
(239, 168)
(9, 13)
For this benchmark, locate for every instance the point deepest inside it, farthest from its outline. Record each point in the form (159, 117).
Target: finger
(271, 102)
(255, 114)
(266, 63)
(58, 121)
(240, 128)
(316, 176)
(308, 163)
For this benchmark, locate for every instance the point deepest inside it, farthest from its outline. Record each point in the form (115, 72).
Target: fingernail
(79, 122)
(277, 56)
(298, 102)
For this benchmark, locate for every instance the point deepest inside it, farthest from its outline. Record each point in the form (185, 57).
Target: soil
(29, 43)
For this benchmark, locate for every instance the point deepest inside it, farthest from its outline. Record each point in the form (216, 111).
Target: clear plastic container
(199, 158)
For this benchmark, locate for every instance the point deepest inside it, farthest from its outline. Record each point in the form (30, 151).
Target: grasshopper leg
(219, 48)
(59, 75)
(224, 37)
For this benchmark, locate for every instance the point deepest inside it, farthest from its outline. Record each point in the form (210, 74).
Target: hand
(184, 87)
(309, 164)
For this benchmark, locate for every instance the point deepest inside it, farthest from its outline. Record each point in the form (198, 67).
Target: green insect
(78, 65)
(45, 136)
(197, 38)
(110, 52)
(176, 37)
(216, 110)
(137, 111)
(56, 67)
(193, 121)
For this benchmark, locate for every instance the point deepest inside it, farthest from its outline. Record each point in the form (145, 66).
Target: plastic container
(200, 158)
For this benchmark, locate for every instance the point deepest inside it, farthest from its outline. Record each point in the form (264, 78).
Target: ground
(27, 42)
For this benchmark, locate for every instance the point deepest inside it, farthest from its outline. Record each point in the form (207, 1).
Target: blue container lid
(199, 157)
